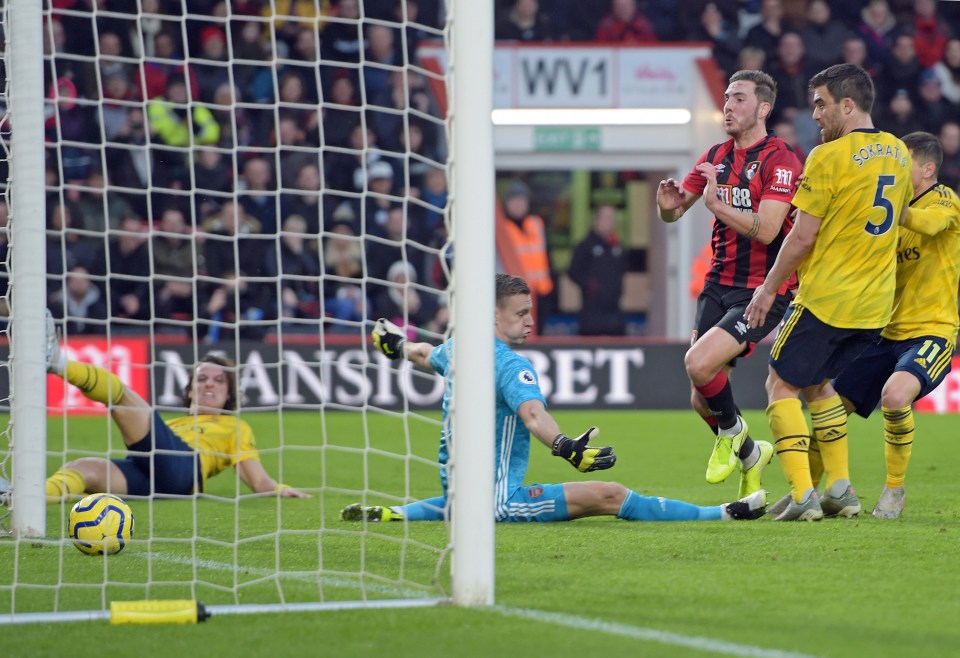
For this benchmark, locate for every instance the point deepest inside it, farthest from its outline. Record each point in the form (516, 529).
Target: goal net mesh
(260, 179)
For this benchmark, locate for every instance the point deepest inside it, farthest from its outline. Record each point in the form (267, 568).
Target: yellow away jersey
(222, 441)
(857, 185)
(928, 272)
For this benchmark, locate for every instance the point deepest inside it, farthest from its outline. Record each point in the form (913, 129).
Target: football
(101, 523)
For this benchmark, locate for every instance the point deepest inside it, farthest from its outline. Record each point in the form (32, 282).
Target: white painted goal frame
(469, 35)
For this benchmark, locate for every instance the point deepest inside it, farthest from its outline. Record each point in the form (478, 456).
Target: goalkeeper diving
(521, 412)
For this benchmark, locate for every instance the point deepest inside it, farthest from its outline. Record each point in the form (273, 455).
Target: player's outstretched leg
(748, 507)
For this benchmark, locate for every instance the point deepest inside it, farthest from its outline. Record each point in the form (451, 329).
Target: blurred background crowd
(241, 151)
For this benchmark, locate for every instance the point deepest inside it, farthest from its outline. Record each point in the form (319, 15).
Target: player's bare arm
(763, 225)
(673, 201)
(796, 246)
(255, 476)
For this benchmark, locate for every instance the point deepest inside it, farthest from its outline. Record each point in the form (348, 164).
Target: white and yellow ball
(101, 523)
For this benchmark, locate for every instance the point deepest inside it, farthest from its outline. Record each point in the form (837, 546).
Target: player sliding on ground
(519, 398)
(181, 454)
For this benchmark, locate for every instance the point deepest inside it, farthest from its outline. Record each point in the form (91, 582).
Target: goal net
(259, 180)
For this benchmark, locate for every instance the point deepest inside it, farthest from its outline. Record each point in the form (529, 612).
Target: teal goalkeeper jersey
(516, 382)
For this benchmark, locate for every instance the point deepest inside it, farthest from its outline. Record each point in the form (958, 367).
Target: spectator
(294, 153)
(387, 245)
(67, 247)
(342, 41)
(434, 195)
(80, 304)
(129, 274)
(119, 97)
(303, 61)
(304, 199)
(238, 307)
(948, 71)
(950, 141)
(173, 272)
(343, 292)
(854, 51)
(899, 115)
(902, 70)
(211, 68)
(212, 180)
(716, 29)
(293, 103)
(751, 58)
(766, 34)
(401, 302)
(407, 91)
(176, 125)
(930, 32)
(127, 159)
(523, 22)
(786, 131)
(790, 71)
(258, 196)
(298, 269)
(823, 36)
(879, 29)
(381, 58)
(231, 243)
(252, 69)
(933, 108)
(522, 246)
(343, 115)
(625, 23)
(380, 184)
(167, 61)
(598, 266)
(95, 205)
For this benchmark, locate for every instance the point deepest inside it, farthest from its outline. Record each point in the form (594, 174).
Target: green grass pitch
(592, 587)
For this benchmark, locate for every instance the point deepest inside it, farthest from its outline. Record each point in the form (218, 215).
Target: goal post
(331, 416)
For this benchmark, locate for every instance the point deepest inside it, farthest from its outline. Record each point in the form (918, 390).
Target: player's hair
(510, 286)
(847, 81)
(229, 368)
(926, 147)
(766, 86)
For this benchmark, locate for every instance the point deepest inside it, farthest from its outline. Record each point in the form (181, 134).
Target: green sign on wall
(566, 138)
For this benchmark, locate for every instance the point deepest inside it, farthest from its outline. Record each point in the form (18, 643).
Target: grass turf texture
(858, 587)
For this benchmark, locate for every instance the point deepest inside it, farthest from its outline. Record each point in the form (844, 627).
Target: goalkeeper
(519, 398)
(173, 457)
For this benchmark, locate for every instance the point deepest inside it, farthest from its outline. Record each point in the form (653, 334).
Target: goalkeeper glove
(584, 458)
(388, 338)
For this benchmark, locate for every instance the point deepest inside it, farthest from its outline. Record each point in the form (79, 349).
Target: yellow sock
(96, 383)
(65, 482)
(829, 420)
(816, 462)
(792, 439)
(898, 443)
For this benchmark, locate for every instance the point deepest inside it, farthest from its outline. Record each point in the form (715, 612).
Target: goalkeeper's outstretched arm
(390, 340)
(578, 452)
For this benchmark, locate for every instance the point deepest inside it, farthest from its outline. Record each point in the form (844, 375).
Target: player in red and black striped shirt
(748, 183)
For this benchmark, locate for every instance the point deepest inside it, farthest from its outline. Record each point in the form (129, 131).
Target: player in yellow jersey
(914, 351)
(855, 188)
(173, 457)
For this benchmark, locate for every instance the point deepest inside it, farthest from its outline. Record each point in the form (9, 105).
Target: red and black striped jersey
(770, 169)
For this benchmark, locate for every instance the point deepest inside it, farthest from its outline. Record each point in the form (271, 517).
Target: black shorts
(723, 306)
(164, 458)
(928, 358)
(808, 351)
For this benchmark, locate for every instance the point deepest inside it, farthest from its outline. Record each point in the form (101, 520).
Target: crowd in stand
(239, 154)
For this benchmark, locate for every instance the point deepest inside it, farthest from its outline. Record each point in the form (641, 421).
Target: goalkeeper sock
(791, 440)
(430, 509)
(898, 432)
(96, 383)
(650, 508)
(719, 397)
(65, 482)
(829, 420)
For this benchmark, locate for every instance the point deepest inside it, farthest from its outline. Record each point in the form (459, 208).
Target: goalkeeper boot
(749, 507)
(807, 509)
(750, 477)
(56, 362)
(723, 459)
(846, 504)
(369, 513)
(890, 504)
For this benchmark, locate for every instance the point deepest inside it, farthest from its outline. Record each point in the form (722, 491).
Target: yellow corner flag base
(157, 612)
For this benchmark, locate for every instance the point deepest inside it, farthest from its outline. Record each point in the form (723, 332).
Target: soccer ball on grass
(101, 523)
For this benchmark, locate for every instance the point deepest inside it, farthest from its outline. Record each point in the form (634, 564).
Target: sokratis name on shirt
(879, 150)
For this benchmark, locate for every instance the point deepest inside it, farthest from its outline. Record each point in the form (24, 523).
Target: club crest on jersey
(752, 169)
(535, 492)
(527, 377)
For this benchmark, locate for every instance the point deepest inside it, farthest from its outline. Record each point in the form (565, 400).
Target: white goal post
(79, 195)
